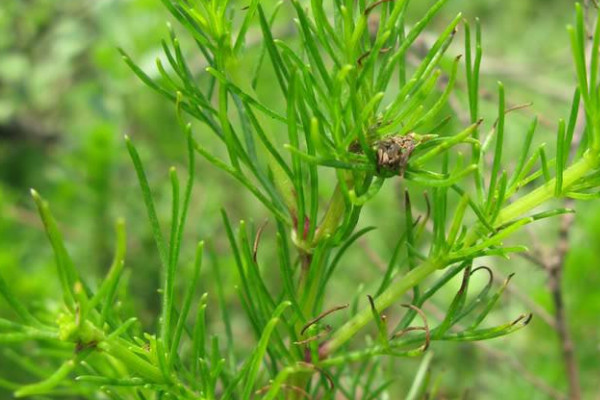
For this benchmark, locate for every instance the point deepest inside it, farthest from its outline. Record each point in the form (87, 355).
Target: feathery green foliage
(352, 113)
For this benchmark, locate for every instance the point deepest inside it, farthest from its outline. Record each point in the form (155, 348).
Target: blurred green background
(67, 99)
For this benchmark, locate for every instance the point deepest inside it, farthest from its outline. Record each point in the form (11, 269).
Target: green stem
(515, 210)
(546, 192)
(539, 196)
(386, 299)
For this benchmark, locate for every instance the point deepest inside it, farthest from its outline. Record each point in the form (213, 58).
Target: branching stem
(515, 210)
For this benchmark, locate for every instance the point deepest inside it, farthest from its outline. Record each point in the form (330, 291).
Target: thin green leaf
(67, 273)
(499, 147)
(524, 153)
(490, 304)
(166, 310)
(419, 385)
(187, 302)
(260, 350)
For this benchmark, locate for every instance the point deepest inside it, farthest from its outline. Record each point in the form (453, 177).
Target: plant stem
(386, 299)
(544, 193)
(520, 207)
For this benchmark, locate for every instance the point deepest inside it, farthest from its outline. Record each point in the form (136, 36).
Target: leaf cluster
(348, 88)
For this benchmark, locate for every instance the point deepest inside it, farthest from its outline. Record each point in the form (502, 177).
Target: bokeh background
(67, 99)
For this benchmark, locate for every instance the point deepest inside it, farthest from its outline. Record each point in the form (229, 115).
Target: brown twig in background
(514, 362)
(555, 272)
(554, 265)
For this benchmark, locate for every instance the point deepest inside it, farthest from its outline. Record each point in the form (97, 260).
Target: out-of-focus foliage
(66, 99)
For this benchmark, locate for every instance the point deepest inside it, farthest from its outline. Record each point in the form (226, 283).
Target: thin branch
(554, 264)
(516, 365)
(555, 273)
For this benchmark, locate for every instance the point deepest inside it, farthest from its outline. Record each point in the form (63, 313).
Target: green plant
(348, 103)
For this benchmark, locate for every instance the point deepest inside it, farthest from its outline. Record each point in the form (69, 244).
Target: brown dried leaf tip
(393, 153)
